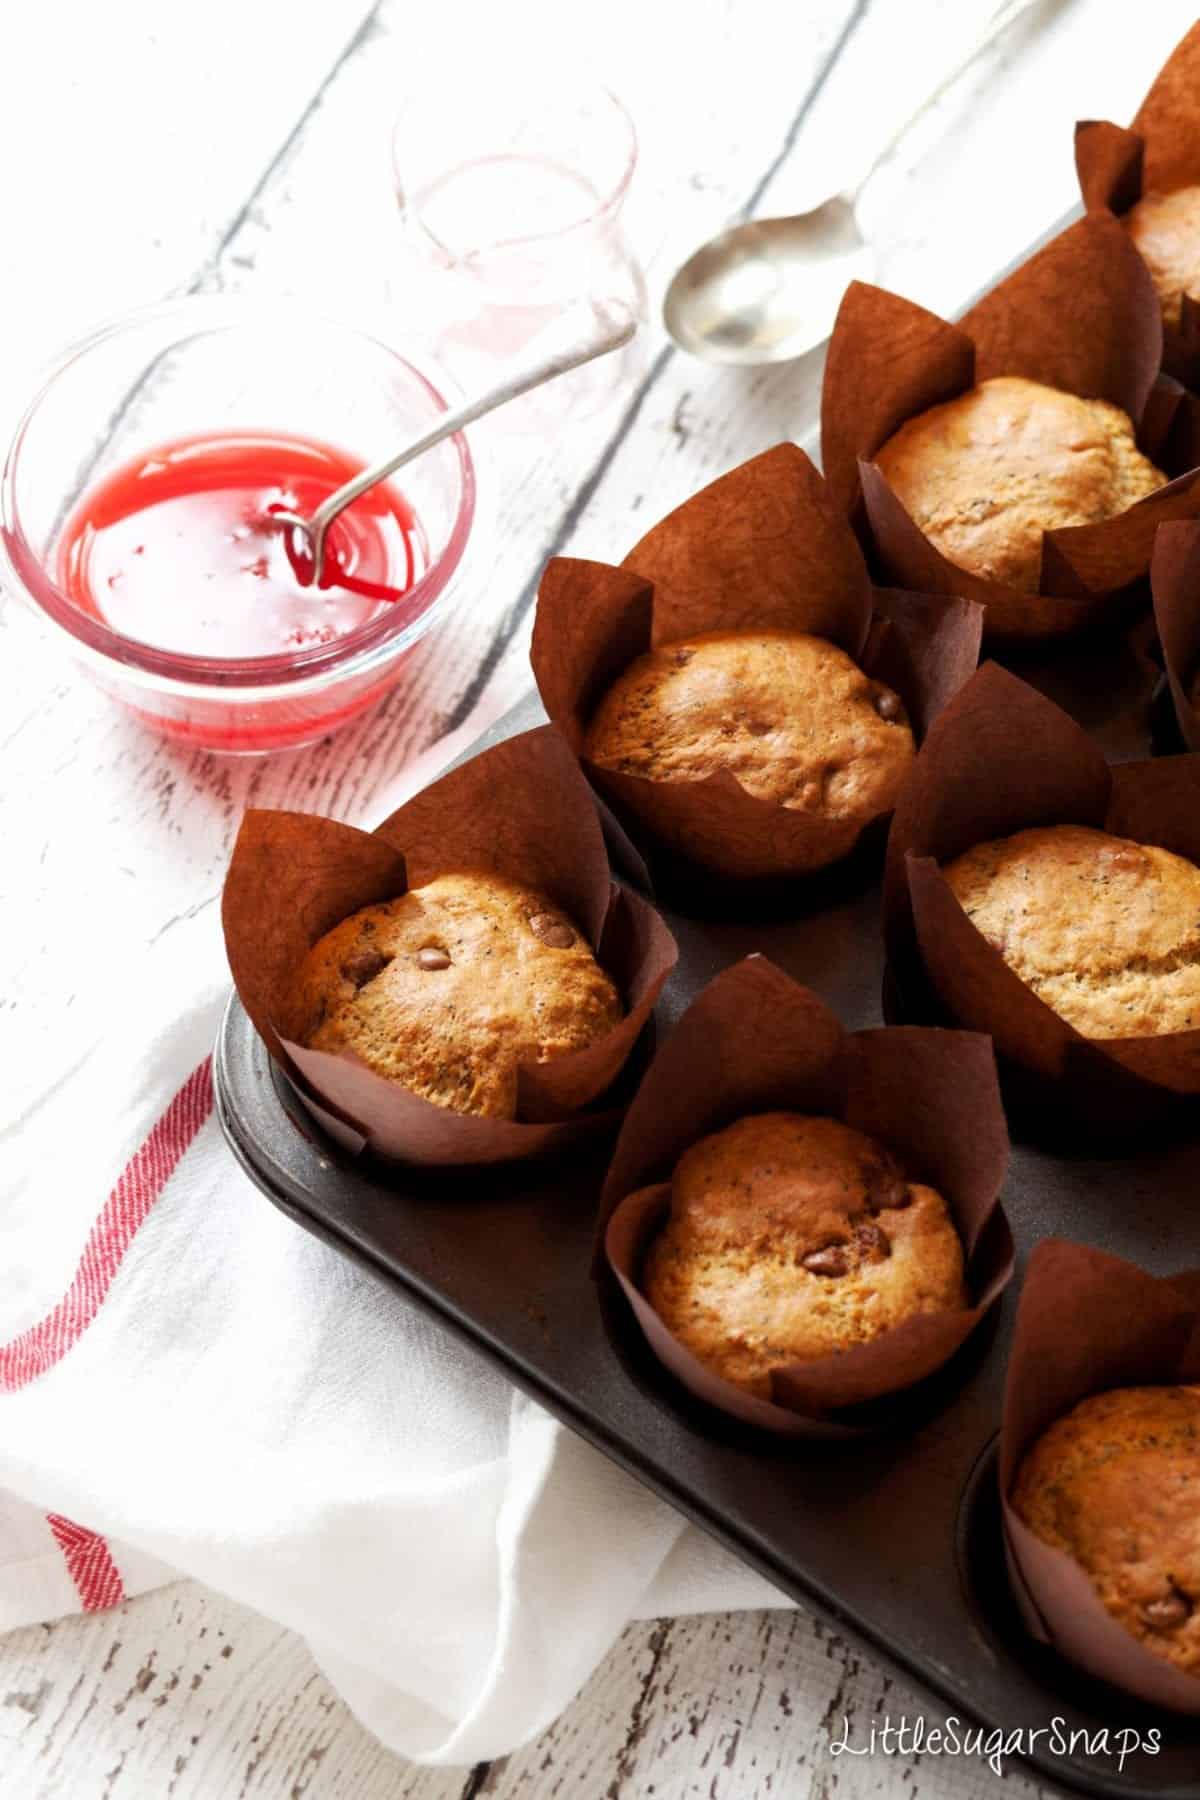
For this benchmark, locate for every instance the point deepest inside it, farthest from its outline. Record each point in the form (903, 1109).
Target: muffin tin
(895, 1536)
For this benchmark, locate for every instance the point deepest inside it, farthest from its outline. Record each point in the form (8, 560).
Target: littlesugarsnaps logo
(991, 1744)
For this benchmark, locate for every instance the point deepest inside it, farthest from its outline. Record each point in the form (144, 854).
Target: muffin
(790, 1238)
(450, 988)
(985, 474)
(1103, 930)
(1166, 230)
(791, 717)
(1116, 1485)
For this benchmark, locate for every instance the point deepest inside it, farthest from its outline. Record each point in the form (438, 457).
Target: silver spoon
(585, 331)
(769, 289)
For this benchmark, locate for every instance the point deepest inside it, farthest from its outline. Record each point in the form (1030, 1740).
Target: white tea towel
(191, 1384)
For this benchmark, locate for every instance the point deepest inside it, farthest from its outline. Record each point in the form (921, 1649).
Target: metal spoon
(769, 289)
(590, 329)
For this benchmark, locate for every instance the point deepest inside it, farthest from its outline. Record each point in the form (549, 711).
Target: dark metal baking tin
(896, 1536)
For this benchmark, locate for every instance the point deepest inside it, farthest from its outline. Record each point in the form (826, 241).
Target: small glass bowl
(197, 365)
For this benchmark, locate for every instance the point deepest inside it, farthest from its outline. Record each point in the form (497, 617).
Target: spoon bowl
(769, 290)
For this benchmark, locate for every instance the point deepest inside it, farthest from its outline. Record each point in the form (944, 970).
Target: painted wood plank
(184, 1695)
(751, 1704)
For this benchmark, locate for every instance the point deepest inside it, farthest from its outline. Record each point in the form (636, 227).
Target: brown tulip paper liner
(756, 1041)
(1001, 759)
(1175, 585)
(1159, 153)
(1089, 1322)
(763, 548)
(1080, 315)
(519, 809)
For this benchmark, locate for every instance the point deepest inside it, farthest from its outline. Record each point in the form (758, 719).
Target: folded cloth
(189, 1384)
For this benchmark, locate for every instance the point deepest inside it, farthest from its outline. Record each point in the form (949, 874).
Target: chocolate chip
(888, 705)
(432, 956)
(552, 930)
(886, 1191)
(364, 966)
(1169, 1613)
(874, 1244)
(832, 1260)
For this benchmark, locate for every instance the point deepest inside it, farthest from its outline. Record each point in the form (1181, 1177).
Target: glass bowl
(197, 365)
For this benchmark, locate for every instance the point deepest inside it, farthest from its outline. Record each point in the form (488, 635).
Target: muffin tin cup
(756, 1041)
(763, 548)
(519, 809)
(1080, 315)
(1089, 1322)
(1003, 758)
(1158, 153)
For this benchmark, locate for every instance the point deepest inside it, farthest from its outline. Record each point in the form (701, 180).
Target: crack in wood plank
(367, 29)
(639, 1719)
(565, 531)
(858, 14)
(144, 381)
(479, 1780)
(31, 1702)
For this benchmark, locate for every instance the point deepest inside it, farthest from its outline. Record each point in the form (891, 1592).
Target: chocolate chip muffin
(450, 988)
(1166, 230)
(1105, 931)
(1116, 1484)
(790, 1238)
(792, 717)
(985, 474)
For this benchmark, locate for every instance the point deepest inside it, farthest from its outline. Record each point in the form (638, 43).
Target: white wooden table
(152, 148)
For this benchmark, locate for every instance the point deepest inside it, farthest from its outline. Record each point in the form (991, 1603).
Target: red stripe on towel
(90, 1563)
(140, 1183)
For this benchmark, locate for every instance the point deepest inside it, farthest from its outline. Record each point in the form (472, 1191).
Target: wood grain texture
(175, 813)
(213, 154)
(183, 1695)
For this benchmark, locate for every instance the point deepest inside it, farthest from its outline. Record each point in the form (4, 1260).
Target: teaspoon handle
(586, 331)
